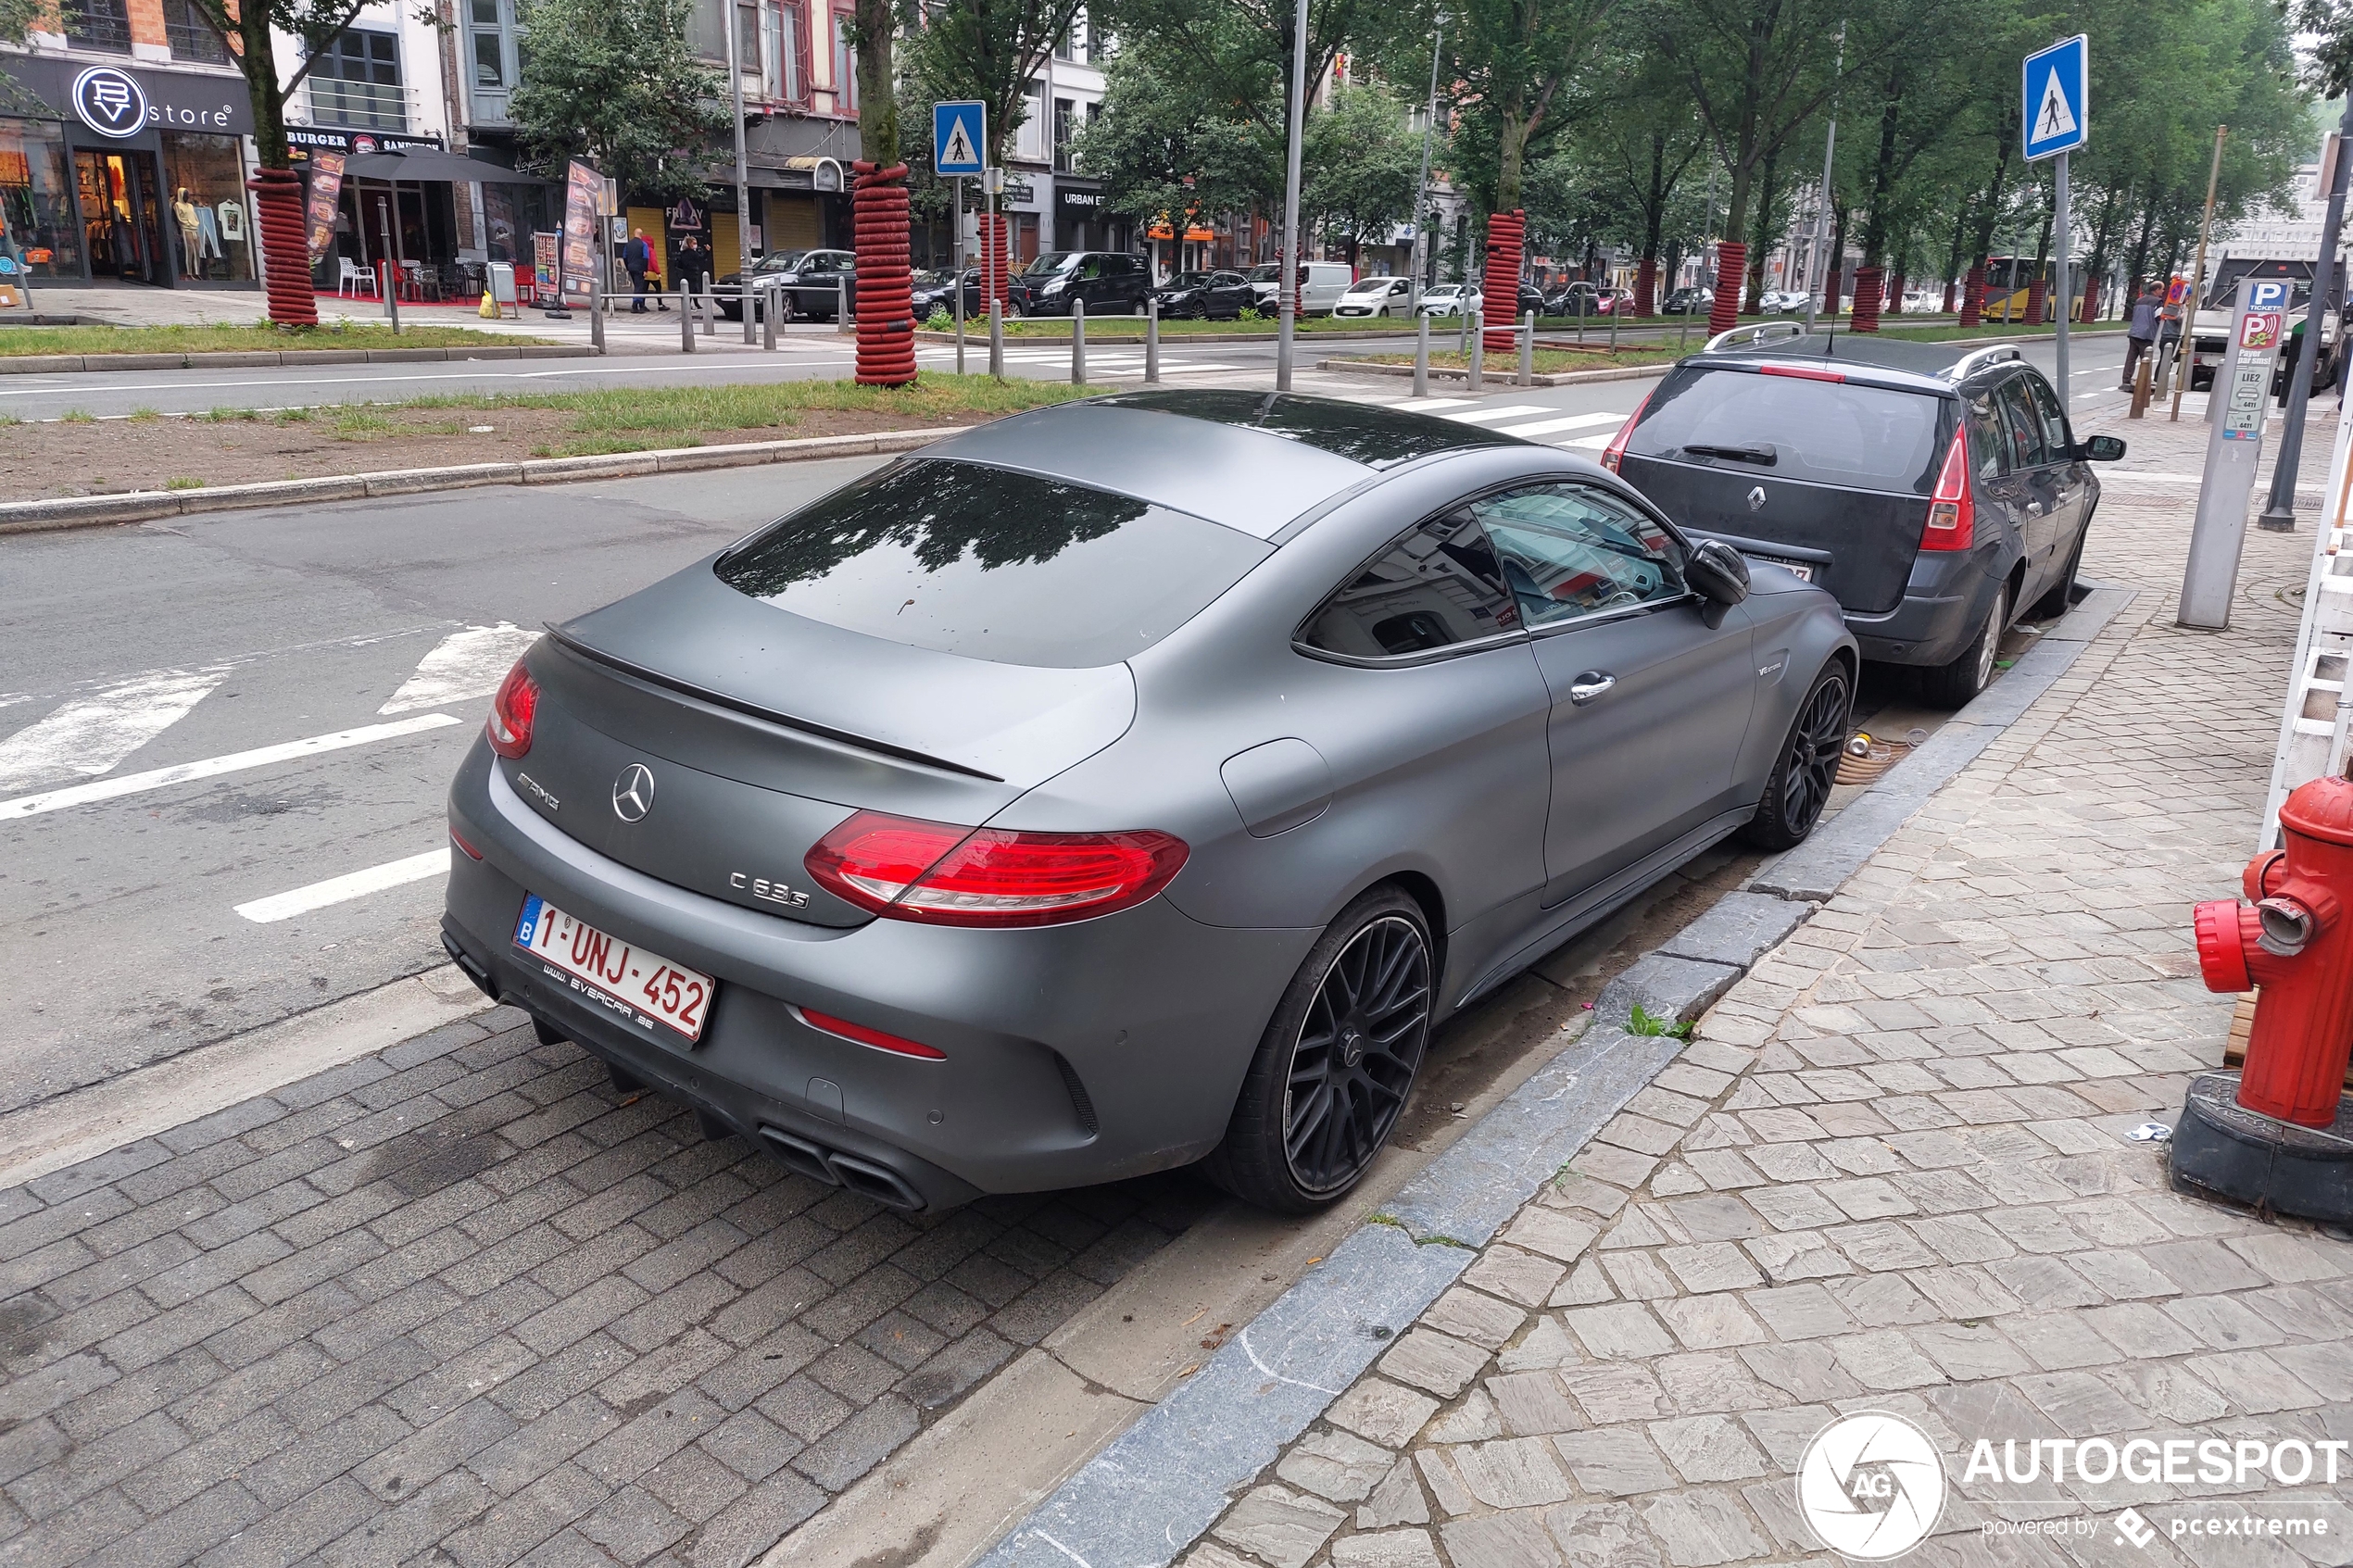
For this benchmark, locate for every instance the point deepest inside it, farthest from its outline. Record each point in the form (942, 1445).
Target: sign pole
(2278, 510)
(2197, 276)
(2066, 277)
(2232, 450)
(1287, 293)
(960, 274)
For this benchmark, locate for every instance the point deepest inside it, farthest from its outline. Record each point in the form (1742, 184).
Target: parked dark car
(1211, 297)
(806, 284)
(1121, 784)
(1111, 283)
(1583, 298)
(1938, 492)
(1530, 298)
(1689, 301)
(936, 291)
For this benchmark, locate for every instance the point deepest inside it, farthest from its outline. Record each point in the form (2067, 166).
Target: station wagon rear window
(988, 563)
(1793, 427)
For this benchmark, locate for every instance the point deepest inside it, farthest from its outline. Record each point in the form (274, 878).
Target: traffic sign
(2057, 103)
(959, 137)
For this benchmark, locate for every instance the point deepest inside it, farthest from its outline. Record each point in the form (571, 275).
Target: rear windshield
(987, 563)
(1831, 432)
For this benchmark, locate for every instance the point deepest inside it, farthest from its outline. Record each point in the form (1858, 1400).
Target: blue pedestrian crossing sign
(959, 137)
(2058, 97)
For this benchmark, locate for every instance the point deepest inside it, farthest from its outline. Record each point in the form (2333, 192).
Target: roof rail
(1977, 359)
(1755, 332)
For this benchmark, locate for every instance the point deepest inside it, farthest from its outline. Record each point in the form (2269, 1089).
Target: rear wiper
(1764, 454)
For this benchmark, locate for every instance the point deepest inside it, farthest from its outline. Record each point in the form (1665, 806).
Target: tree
(1509, 61)
(1640, 143)
(617, 86)
(1166, 150)
(2327, 30)
(989, 50)
(1361, 166)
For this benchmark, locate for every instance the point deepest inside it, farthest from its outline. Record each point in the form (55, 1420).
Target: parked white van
(1326, 281)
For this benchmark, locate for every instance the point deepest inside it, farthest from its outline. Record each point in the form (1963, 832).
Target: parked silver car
(1123, 784)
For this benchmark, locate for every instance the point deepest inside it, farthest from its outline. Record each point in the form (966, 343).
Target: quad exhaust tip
(831, 1166)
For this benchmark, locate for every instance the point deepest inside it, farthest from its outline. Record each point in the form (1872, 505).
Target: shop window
(99, 24)
(845, 63)
(204, 178)
(36, 197)
(355, 82)
(192, 35)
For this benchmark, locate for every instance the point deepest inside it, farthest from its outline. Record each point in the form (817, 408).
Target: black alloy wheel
(1337, 1061)
(1800, 784)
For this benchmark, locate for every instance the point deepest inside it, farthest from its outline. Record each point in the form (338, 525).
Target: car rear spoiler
(1754, 332)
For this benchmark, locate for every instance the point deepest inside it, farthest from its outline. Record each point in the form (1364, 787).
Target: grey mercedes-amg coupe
(1122, 784)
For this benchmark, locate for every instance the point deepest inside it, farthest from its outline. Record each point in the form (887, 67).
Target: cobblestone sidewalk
(1890, 1174)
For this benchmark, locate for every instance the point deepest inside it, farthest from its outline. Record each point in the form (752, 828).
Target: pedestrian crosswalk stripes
(92, 734)
(342, 890)
(463, 665)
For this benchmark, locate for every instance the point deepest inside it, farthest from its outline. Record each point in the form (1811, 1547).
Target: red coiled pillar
(1646, 286)
(1499, 285)
(995, 274)
(885, 308)
(2091, 300)
(1949, 296)
(1866, 281)
(2037, 295)
(1973, 296)
(285, 249)
(1731, 276)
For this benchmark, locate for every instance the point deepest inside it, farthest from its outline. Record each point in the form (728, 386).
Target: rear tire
(1800, 783)
(1972, 671)
(1336, 1063)
(2060, 598)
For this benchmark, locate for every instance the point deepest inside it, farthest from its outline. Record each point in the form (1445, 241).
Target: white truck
(2210, 330)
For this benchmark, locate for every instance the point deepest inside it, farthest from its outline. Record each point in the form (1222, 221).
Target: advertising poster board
(319, 213)
(582, 185)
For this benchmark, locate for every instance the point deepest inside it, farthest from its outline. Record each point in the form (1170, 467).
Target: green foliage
(1162, 147)
(940, 321)
(619, 86)
(1641, 1023)
(1359, 166)
(2327, 27)
(992, 50)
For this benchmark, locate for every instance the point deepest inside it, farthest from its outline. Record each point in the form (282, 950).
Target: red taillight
(1802, 373)
(942, 875)
(460, 840)
(1952, 511)
(511, 712)
(897, 1044)
(1614, 453)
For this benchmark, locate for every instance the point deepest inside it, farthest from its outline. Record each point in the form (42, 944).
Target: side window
(1439, 586)
(2058, 440)
(1988, 443)
(1569, 550)
(1091, 268)
(2024, 425)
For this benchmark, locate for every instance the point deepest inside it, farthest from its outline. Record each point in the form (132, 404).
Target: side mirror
(2103, 448)
(1720, 573)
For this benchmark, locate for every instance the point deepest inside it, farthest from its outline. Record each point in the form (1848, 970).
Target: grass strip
(259, 338)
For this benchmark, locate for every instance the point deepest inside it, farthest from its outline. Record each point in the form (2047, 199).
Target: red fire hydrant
(2293, 937)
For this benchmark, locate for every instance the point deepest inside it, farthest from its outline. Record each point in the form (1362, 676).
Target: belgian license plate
(616, 975)
(1803, 571)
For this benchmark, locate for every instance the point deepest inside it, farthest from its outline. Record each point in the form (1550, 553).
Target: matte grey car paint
(1110, 1046)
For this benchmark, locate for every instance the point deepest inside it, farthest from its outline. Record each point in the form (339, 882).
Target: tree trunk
(1974, 303)
(1757, 248)
(1830, 280)
(1882, 182)
(1511, 154)
(2038, 291)
(1953, 258)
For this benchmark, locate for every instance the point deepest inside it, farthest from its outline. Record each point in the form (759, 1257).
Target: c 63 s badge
(773, 892)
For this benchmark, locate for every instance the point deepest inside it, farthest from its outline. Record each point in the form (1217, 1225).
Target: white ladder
(2315, 725)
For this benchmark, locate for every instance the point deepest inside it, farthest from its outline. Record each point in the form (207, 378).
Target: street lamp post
(2279, 511)
(1288, 291)
(1822, 211)
(1421, 186)
(743, 175)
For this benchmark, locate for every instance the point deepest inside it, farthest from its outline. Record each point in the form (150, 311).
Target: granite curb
(90, 511)
(1152, 1492)
(246, 359)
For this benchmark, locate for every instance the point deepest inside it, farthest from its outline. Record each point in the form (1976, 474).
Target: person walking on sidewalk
(693, 266)
(2138, 336)
(638, 258)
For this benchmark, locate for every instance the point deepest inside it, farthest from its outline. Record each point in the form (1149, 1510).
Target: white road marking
(236, 761)
(91, 736)
(341, 889)
(1572, 421)
(1590, 443)
(1510, 411)
(1427, 404)
(462, 666)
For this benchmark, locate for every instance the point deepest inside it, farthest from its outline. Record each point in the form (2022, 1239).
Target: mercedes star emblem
(633, 793)
(1757, 498)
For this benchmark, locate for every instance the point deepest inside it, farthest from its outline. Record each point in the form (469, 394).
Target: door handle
(1589, 685)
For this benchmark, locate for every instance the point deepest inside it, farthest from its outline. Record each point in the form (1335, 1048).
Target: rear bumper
(1943, 606)
(1075, 1054)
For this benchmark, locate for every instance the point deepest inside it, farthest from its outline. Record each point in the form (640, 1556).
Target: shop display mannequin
(183, 212)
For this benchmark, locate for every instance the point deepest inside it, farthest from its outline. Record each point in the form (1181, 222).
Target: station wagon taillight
(1952, 511)
(511, 712)
(937, 873)
(1614, 453)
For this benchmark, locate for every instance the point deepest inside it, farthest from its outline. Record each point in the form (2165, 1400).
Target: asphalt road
(315, 676)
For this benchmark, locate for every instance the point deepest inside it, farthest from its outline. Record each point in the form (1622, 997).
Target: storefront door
(122, 215)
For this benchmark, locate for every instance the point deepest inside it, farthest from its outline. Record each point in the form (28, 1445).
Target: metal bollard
(707, 311)
(772, 301)
(1682, 331)
(997, 339)
(960, 316)
(1528, 350)
(1463, 347)
(1615, 307)
(596, 314)
(1152, 341)
(1079, 343)
(744, 297)
(1421, 357)
(685, 323)
(1477, 351)
(841, 305)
